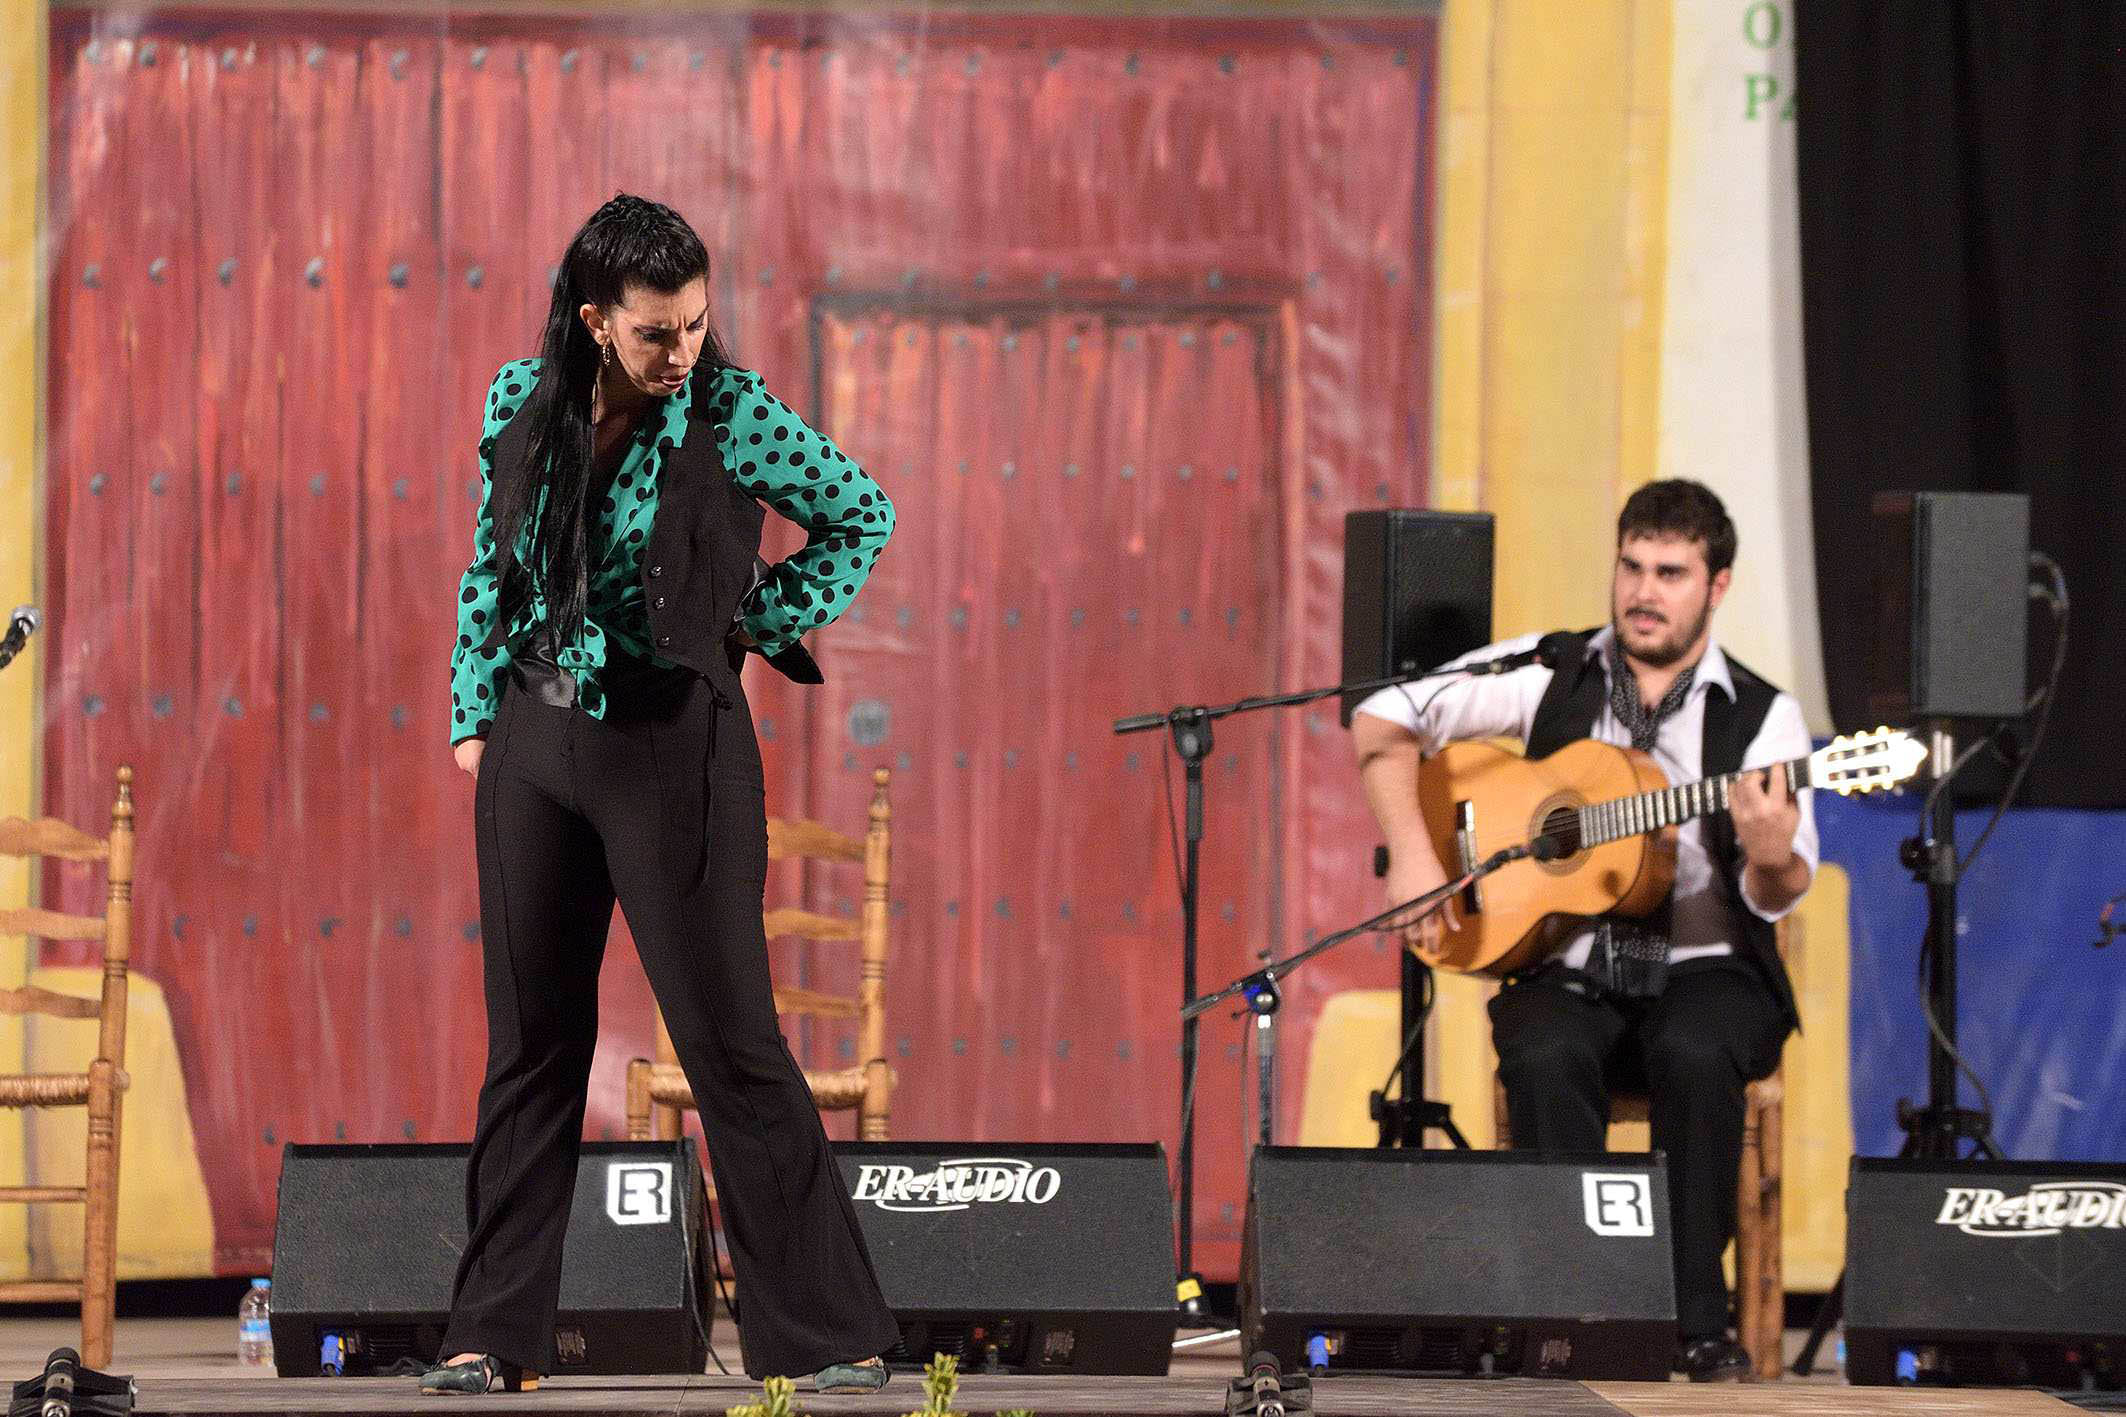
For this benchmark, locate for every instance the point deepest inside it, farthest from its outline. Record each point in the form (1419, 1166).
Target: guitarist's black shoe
(1715, 1360)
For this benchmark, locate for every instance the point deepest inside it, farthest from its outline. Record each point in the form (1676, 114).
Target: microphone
(1540, 848)
(1547, 652)
(21, 624)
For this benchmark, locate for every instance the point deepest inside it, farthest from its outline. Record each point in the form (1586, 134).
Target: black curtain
(1963, 264)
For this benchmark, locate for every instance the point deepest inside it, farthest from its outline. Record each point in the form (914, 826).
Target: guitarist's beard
(1662, 650)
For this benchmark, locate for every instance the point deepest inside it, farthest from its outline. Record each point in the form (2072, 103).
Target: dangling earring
(607, 346)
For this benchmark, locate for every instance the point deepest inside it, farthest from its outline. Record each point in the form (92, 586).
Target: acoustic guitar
(1607, 815)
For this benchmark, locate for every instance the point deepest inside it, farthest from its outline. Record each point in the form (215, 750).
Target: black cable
(1173, 833)
(2040, 698)
(2058, 601)
(1416, 1031)
(1941, 1036)
(1188, 1120)
(1417, 709)
(2043, 700)
(1173, 843)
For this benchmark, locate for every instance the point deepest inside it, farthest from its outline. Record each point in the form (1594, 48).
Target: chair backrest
(52, 838)
(801, 839)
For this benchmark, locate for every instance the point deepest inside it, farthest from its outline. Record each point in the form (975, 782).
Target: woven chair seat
(44, 1090)
(831, 1091)
(657, 1091)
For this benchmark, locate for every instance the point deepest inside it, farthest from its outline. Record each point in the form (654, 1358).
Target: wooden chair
(101, 1089)
(657, 1091)
(1760, 1282)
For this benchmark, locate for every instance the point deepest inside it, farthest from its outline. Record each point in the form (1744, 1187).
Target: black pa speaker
(1952, 605)
(2005, 1272)
(1034, 1257)
(1459, 1262)
(1417, 591)
(369, 1236)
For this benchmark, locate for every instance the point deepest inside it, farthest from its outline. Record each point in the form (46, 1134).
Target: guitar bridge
(1472, 899)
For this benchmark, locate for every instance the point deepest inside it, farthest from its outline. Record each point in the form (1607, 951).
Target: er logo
(1618, 1204)
(639, 1192)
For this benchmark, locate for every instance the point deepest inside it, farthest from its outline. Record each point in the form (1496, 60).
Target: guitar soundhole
(1562, 825)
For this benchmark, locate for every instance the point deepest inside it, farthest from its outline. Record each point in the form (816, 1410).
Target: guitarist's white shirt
(1504, 706)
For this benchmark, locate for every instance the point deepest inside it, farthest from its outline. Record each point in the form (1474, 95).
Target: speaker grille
(1952, 578)
(1417, 591)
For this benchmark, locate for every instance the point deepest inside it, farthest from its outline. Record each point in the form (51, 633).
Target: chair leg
(871, 1109)
(99, 1232)
(1749, 1244)
(1771, 1265)
(638, 1099)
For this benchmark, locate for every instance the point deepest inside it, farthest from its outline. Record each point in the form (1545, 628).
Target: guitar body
(1478, 798)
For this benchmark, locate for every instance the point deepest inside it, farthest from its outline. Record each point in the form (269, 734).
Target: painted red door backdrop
(1125, 315)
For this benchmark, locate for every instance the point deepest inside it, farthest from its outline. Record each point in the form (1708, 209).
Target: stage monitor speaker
(1952, 601)
(1459, 1262)
(368, 1240)
(2005, 1273)
(1021, 1257)
(1417, 591)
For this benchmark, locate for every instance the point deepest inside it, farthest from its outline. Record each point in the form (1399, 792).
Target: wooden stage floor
(187, 1366)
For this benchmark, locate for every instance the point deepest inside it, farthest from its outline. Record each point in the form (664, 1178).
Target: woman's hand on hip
(468, 755)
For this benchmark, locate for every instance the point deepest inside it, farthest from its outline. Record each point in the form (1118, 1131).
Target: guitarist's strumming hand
(1413, 869)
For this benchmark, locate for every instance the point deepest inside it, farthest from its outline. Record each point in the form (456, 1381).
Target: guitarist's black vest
(1573, 704)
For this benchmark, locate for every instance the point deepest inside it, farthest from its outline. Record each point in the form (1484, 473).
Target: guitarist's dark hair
(1676, 506)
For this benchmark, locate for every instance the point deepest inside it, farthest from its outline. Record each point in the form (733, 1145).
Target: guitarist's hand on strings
(1413, 869)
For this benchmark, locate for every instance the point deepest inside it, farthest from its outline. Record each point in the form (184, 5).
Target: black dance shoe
(484, 1373)
(851, 1377)
(1716, 1360)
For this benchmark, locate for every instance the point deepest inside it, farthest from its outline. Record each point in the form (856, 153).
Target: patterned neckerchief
(1630, 957)
(1641, 722)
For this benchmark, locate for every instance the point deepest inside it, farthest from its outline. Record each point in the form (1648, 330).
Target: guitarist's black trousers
(1694, 1049)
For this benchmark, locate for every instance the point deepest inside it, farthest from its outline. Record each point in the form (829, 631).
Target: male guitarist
(1692, 1003)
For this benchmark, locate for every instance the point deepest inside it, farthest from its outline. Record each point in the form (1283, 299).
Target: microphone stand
(1191, 729)
(1265, 978)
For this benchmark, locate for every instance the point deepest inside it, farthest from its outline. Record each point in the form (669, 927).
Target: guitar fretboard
(1650, 811)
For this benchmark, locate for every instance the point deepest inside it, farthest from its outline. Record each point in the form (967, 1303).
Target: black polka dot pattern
(809, 589)
(781, 457)
(475, 670)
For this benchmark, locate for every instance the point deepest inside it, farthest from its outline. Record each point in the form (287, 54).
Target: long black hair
(627, 242)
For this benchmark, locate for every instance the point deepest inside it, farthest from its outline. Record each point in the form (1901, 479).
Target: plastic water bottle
(254, 1326)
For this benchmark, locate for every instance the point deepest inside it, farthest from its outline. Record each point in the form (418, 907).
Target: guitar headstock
(1866, 762)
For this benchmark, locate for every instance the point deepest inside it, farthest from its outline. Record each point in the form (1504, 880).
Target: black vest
(703, 557)
(1572, 705)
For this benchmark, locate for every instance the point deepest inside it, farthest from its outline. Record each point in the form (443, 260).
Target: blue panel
(2042, 1015)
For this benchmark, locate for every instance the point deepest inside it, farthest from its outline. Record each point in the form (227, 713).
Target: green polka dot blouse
(756, 440)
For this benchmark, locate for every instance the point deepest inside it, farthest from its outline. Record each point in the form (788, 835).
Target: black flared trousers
(1694, 1049)
(574, 812)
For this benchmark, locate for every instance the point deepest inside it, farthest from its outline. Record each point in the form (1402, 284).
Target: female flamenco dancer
(613, 594)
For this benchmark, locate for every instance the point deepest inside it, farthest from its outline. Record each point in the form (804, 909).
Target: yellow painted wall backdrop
(1598, 327)
(1552, 211)
(22, 107)
(164, 1224)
